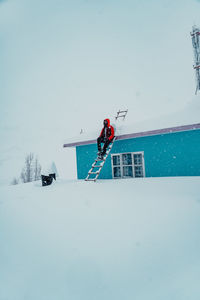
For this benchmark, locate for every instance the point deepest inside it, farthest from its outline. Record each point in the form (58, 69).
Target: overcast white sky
(68, 64)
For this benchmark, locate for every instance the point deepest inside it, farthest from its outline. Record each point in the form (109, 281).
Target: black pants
(106, 143)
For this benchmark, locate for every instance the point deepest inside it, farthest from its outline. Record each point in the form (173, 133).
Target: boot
(99, 154)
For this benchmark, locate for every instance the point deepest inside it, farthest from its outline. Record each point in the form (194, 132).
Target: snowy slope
(116, 239)
(185, 116)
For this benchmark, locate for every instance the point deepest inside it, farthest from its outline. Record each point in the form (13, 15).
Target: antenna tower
(195, 34)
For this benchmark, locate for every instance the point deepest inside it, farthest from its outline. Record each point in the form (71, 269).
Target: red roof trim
(141, 134)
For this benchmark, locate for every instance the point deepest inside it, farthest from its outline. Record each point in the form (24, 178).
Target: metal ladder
(98, 165)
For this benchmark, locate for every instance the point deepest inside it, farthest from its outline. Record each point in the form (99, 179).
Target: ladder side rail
(100, 166)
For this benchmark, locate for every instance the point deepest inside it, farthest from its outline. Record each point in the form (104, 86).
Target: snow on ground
(113, 239)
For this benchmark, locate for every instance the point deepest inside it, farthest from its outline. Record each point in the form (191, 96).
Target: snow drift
(115, 239)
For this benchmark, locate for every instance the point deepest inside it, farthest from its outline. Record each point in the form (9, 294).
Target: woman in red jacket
(106, 137)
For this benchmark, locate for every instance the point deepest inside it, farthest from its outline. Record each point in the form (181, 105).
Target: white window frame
(133, 165)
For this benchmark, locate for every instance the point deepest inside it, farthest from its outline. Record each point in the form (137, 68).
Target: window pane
(137, 159)
(128, 171)
(139, 171)
(116, 160)
(127, 159)
(117, 172)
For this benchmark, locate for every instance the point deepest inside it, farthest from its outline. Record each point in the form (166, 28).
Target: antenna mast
(195, 34)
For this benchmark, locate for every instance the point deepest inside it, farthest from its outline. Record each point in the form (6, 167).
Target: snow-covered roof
(185, 119)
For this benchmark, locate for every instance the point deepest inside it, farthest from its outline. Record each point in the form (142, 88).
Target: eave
(140, 134)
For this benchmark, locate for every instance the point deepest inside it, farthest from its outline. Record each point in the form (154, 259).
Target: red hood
(108, 120)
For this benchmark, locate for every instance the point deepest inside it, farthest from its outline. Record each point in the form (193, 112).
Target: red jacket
(108, 132)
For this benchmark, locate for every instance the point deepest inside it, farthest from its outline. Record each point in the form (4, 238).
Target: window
(127, 169)
(116, 166)
(138, 164)
(128, 165)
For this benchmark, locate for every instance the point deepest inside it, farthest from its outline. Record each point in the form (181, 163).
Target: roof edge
(141, 134)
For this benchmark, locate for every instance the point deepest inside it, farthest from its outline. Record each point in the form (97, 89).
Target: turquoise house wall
(172, 154)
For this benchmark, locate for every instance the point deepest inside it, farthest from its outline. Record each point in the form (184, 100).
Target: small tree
(15, 181)
(27, 171)
(31, 170)
(37, 169)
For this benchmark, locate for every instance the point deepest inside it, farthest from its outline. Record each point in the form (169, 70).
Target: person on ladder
(106, 137)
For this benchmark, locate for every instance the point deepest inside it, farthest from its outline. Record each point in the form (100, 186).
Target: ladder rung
(100, 159)
(90, 179)
(97, 172)
(99, 166)
(94, 165)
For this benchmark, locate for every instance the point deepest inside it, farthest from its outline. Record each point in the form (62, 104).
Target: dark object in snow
(53, 175)
(47, 180)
